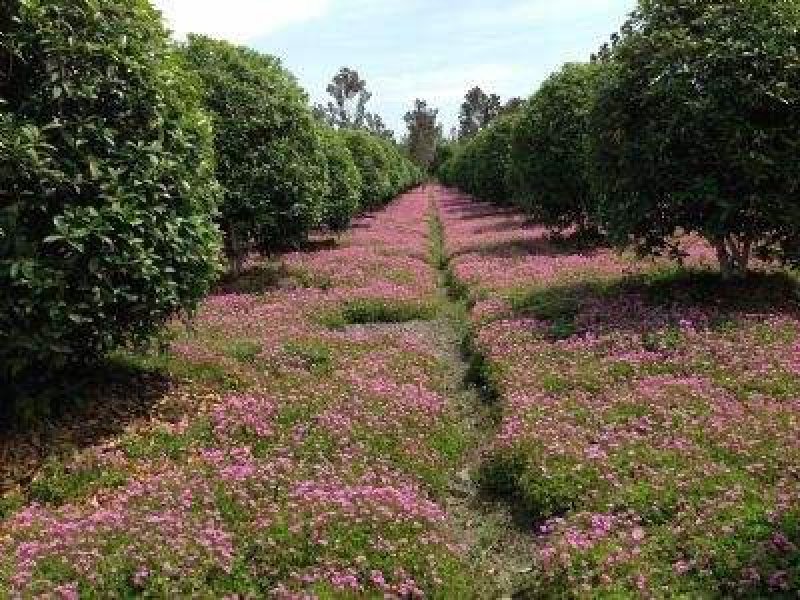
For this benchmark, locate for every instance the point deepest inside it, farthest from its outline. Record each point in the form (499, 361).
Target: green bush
(447, 170)
(269, 156)
(444, 152)
(480, 165)
(403, 173)
(373, 164)
(344, 181)
(549, 172)
(697, 128)
(106, 180)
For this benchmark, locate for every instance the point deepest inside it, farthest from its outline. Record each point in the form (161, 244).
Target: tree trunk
(233, 250)
(733, 254)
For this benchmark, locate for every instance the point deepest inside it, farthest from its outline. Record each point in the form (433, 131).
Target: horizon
(508, 48)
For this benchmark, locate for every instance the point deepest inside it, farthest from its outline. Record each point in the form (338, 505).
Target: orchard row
(128, 162)
(687, 122)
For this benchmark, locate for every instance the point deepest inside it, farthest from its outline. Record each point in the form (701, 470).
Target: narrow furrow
(499, 542)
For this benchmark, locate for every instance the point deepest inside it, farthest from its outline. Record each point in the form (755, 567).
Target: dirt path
(500, 546)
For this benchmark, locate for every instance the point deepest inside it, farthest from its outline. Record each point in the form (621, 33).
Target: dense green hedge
(121, 155)
(106, 182)
(697, 128)
(480, 164)
(385, 170)
(269, 155)
(372, 163)
(688, 122)
(550, 163)
(343, 200)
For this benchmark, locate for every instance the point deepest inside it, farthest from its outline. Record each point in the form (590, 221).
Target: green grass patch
(164, 363)
(308, 279)
(560, 306)
(372, 311)
(315, 355)
(10, 503)
(548, 304)
(160, 443)
(243, 351)
(57, 484)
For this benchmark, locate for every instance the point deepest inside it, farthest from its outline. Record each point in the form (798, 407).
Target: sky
(407, 49)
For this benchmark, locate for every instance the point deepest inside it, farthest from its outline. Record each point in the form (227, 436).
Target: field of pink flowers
(308, 458)
(649, 417)
(643, 429)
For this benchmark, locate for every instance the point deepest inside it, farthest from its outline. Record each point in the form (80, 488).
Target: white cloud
(238, 20)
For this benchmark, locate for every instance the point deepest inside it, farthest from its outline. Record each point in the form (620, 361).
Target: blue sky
(411, 48)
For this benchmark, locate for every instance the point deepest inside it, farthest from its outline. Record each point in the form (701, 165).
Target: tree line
(131, 166)
(687, 121)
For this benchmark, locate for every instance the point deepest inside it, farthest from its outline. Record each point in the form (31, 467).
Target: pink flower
(637, 535)
(68, 591)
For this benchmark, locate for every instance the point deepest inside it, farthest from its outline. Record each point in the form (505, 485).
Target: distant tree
(424, 133)
(512, 105)
(375, 125)
(348, 106)
(477, 111)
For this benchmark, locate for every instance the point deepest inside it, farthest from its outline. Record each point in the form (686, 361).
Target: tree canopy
(697, 128)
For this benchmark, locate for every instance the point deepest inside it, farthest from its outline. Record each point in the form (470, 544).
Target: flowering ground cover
(648, 416)
(304, 450)
(308, 433)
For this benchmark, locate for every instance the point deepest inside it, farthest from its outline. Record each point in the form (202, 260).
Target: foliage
(372, 163)
(550, 148)
(697, 128)
(348, 107)
(477, 111)
(444, 152)
(480, 165)
(344, 181)
(424, 133)
(402, 172)
(644, 411)
(324, 476)
(268, 153)
(385, 170)
(106, 181)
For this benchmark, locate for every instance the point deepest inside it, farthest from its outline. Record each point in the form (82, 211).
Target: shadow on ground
(77, 411)
(635, 302)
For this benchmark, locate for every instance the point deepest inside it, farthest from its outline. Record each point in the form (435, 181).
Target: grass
(57, 483)
(647, 422)
(315, 355)
(377, 311)
(173, 366)
(243, 351)
(285, 439)
(303, 444)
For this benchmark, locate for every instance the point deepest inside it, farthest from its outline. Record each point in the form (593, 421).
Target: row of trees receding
(687, 122)
(127, 163)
